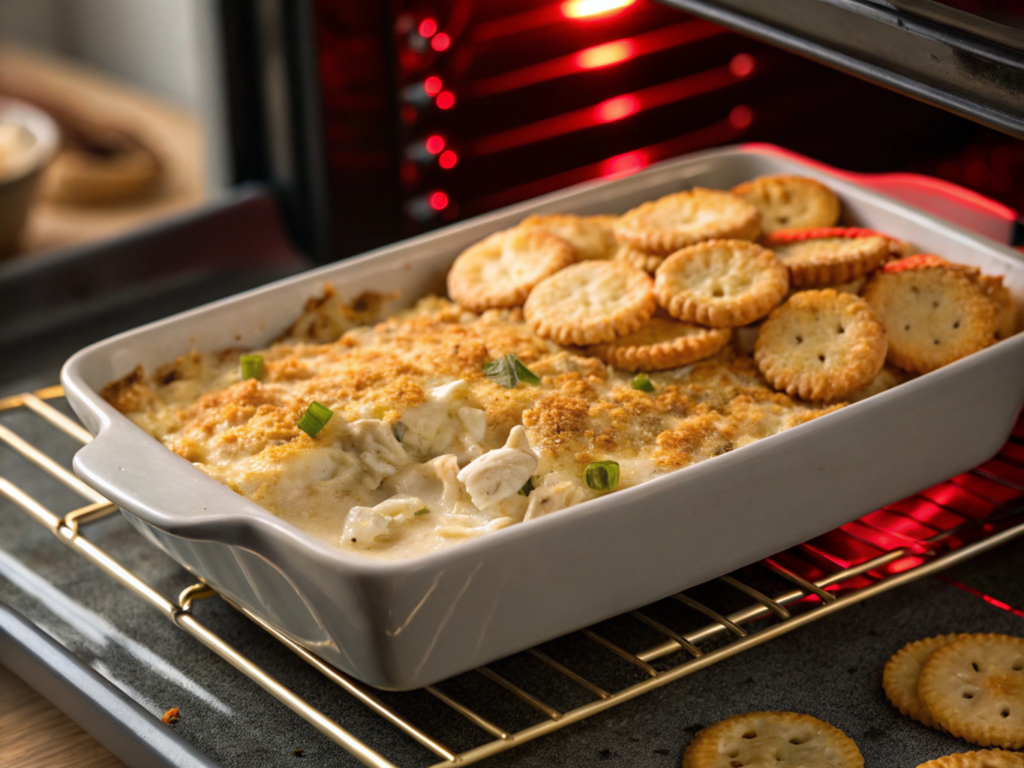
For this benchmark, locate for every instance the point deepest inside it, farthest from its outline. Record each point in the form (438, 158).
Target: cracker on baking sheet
(782, 739)
(648, 262)
(790, 201)
(985, 758)
(821, 345)
(591, 302)
(932, 315)
(675, 221)
(721, 283)
(661, 344)
(825, 261)
(899, 680)
(590, 236)
(974, 688)
(501, 270)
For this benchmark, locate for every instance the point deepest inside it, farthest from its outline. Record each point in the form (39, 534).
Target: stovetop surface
(830, 669)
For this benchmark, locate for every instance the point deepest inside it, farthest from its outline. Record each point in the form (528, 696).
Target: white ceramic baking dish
(406, 624)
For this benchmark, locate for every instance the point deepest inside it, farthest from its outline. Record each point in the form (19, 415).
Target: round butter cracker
(721, 283)
(822, 261)
(790, 201)
(684, 218)
(974, 688)
(662, 344)
(778, 739)
(501, 270)
(821, 345)
(933, 316)
(591, 302)
(648, 262)
(985, 758)
(590, 236)
(903, 671)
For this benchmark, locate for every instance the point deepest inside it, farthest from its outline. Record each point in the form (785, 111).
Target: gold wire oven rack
(68, 529)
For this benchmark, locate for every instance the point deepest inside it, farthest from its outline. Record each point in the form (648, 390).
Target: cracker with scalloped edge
(933, 316)
(675, 221)
(721, 283)
(822, 261)
(590, 236)
(662, 344)
(1006, 307)
(974, 688)
(778, 739)
(501, 270)
(985, 758)
(648, 262)
(821, 345)
(591, 302)
(790, 201)
(902, 671)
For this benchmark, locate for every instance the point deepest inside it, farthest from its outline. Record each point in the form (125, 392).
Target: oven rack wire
(808, 601)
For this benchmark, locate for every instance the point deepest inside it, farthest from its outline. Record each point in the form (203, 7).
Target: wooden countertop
(34, 733)
(173, 133)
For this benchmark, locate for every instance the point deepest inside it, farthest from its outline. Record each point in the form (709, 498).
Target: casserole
(405, 624)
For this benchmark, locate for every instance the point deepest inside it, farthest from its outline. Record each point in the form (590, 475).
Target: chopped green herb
(524, 373)
(250, 367)
(315, 418)
(602, 475)
(525, 490)
(423, 511)
(641, 382)
(508, 371)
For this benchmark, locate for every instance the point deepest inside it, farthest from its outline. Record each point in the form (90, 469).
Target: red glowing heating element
(624, 164)
(433, 85)
(586, 9)
(605, 55)
(742, 65)
(741, 116)
(427, 28)
(434, 144)
(445, 100)
(440, 42)
(448, 159)
(616, 109)
(438, 200)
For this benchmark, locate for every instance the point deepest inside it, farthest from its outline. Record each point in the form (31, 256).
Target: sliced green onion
(641, 382)
(602, 475)
(508, 371)
(526, 489)
(315, 418)
(423, 511)
(250, 367)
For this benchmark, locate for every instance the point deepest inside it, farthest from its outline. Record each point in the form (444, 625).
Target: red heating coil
(975, 495)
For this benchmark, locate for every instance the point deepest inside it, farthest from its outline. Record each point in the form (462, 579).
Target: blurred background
(373, 121)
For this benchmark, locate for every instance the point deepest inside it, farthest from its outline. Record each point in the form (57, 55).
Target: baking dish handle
(140, 475)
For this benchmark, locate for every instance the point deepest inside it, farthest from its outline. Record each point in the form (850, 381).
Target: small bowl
(38, 138)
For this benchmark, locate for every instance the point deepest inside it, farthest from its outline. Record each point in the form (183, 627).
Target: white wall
(151, 43)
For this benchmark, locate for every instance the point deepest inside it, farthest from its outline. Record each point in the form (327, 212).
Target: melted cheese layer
(423, 449)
